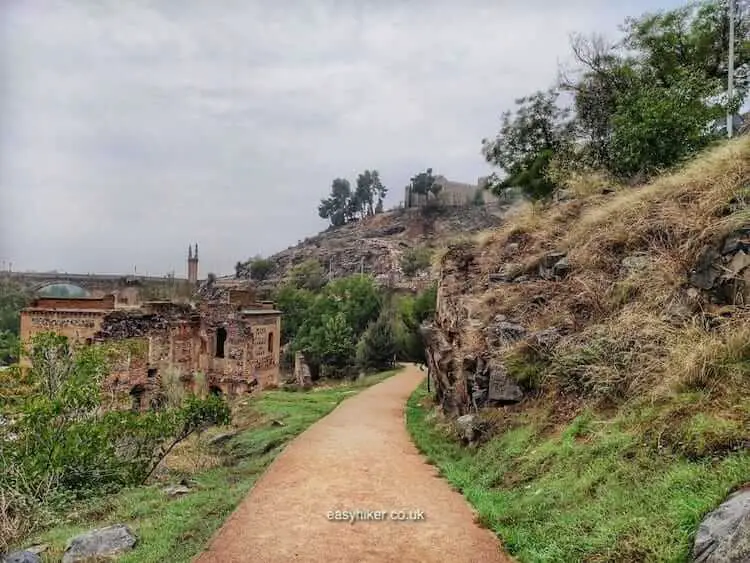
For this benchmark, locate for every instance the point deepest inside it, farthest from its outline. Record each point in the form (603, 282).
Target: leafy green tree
(655, 127)
(369, 193)
(693, 40)
(412, 311)
(295, 304)
(344, 204)
(648, 102)
(261, 268)
(13, 298)
(357, 298)
(526, 143)
(354, 302)
(338, 206)
(330, 345)
(378, 346)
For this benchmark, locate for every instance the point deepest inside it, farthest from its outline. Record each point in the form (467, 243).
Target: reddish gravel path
(359, 457)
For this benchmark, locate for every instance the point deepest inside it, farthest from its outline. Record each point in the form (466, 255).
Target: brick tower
(193, 265)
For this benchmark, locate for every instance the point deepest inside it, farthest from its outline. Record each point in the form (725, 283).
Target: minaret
(193, 265)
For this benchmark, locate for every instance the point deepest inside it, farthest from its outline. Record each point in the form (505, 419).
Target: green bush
(377, 348)
(62, 443)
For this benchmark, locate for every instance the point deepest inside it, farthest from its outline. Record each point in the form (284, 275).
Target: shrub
(377, 348)
(61, 441)
(415, 260)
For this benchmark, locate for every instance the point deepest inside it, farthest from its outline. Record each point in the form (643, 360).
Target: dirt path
(359, 457)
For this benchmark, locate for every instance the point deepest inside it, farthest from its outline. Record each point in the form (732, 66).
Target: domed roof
(62, 290)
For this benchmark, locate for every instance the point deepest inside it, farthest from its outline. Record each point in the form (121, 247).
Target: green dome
(62, 290)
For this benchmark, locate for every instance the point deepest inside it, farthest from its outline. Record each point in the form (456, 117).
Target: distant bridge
(126, 287)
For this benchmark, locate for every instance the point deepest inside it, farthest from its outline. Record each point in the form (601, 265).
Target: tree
(338, 206)
(424, 183)
(655, 127)
(412, 311)
(261, 268)
(526, 143)
(240, 270)
(377, 348)
(295, 304)
(357, 298)
(330, 346)
(693, 39)
(345, 204)
(13, 298)
(369, 188)
(648, 103)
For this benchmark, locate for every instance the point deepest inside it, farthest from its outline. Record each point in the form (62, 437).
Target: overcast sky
(131, 128)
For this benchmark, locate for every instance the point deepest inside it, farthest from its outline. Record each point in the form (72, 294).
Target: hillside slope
(613, 333)
(376, 244)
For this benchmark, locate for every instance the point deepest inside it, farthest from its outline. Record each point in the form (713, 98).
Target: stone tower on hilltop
(192, 265)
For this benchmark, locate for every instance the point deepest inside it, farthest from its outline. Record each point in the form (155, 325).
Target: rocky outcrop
(723, 271)
(724, 535)
(375, 244)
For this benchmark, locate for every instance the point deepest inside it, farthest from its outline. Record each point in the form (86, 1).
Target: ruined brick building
(223, 338)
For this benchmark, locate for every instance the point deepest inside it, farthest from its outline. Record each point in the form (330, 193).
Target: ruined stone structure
(226, 341)
(454, 194)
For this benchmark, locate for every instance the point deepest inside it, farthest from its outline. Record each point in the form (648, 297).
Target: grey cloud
(130, 129)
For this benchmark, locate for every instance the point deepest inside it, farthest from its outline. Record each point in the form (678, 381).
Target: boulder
(553, 265)
(739, 262)
(505, 332)
(502, 388)
(104, 542)
(724, 534)
(221, 439)
(706, 271)
(22, 557)
(561, 268)
(467, 427)
(176, 490)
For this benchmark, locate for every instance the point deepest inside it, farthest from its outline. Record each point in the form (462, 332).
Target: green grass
(177, 529)
(593, 492)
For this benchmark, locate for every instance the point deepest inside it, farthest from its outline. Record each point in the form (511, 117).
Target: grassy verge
(176, 529)
(590, 492)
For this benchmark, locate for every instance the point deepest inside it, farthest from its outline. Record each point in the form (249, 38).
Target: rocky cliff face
(377, 243)
(598, 298)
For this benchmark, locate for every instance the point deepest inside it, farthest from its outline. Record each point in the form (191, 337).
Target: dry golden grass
(631, 331)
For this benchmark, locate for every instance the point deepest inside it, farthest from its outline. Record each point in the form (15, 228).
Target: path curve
(359, 457)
